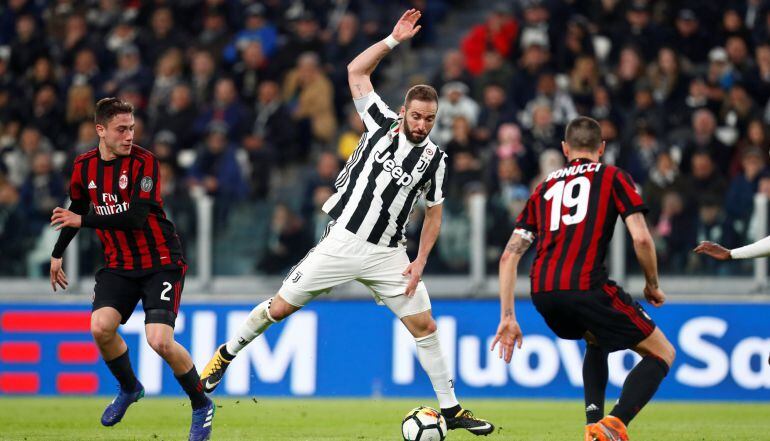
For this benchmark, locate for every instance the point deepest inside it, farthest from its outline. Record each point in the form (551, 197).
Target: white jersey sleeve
(374, 112)
(435, 189)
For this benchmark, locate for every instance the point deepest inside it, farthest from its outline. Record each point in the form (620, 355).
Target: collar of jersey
(402, 138)
(581, 160)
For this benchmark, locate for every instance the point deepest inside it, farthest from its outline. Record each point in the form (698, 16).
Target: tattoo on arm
(508, 312)
(517, 244)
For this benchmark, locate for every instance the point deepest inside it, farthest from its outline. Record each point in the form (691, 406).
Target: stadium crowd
(249, 102)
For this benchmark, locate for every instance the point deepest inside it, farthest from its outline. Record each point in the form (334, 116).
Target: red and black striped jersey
(572, 213)
(112, 187)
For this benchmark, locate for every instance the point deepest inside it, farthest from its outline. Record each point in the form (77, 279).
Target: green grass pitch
(363, 419)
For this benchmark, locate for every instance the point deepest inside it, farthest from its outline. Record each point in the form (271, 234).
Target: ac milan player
(572, 214)
(143, 258)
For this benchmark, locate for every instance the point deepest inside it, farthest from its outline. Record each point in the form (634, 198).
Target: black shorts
(609, 313)
(160, 292)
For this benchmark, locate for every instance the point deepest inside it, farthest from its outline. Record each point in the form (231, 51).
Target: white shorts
(342, 256)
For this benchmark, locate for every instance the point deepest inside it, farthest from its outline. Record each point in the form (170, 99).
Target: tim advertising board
(355, 348)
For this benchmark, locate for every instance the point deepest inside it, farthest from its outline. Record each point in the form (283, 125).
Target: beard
(414, 139)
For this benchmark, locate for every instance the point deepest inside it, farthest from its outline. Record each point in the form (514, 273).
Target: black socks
(640, 386)
(191, 383)
(595, 374)
(122, 371)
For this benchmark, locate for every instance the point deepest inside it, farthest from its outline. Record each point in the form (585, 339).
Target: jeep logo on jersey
(146, 184)
(395, 170)
(123, 182)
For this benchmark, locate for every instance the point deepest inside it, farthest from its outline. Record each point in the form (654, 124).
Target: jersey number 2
(562, 195)
(163, 293)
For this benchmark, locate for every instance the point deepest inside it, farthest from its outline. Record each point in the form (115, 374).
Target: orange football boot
(610, 428)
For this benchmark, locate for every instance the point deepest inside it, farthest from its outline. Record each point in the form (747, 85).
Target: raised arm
(645, 253)
(361, 68)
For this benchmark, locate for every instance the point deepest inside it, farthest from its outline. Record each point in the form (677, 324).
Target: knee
(160, 344)
(278, 309)
(102, 331)
(424, 328)
(668, 353)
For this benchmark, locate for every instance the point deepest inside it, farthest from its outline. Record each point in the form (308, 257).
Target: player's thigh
(657, 345)
(322, 268)
(615, 318)
(161, 295)
(559, 314)
(384, 277)
(115, 291)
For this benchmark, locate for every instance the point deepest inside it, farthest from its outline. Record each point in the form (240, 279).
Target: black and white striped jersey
(384, 177)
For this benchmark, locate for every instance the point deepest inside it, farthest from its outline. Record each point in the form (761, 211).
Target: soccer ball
(424, 424)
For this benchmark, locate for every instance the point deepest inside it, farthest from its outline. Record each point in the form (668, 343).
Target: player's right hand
(508, 335)
(405, 27)
(714, 250)
(654, 295)
(57, 274)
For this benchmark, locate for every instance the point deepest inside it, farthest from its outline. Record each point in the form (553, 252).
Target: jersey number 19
(562, 194)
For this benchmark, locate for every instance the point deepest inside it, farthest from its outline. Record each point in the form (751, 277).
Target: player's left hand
(654, 295)
(508, 335)
(714, 250)
(414, 272)
(65, 218)
(405, 27)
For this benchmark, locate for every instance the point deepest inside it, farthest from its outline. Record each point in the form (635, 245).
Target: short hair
(107, 108)
(583, 133)
(421, 92)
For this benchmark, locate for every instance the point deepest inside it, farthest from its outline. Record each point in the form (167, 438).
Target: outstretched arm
(361, 68)
(508, 331)
(760, 248)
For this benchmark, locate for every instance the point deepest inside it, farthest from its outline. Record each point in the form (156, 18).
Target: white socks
(432, 361)
(256, 323)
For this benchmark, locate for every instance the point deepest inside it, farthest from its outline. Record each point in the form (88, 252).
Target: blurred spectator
(26, 46)
(46, 115)
(703, 138)
(287, 241)
(584, 79)
(11, 226)
(85, 70)
(576, 43)
(203, 77)
(178, 117)
(646, 112)
(495, 111)
(41, 192)
(163, 36)
(497, 33)
(509, 145)
(629, 70)
(164, 147)
(75, 39)
(711, 227)
(689, 39)
(639, 159)
(256, 29)
(532, 64)
(168, 74)
(272, 127)
(544, 133)
(216, 170)
(308, 93)
(454, 102)
(705, 180)
(326, 170)
(80, 109)
(639, 30)
(214, 36)
(674, 232)
(739, 200)
(737, 110)
(453, 69)
(251, 71)
(496, 71)
(42, 73)
(351, 135)
(669, 84)
(225, 108)
(664, 177)
(759, 80)
(560, 102)
(304, 39)
(756, 138)
(129, 72)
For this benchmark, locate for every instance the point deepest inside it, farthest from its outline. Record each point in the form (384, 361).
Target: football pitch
(363, 419)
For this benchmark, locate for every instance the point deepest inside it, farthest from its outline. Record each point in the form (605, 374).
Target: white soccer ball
(424, 424)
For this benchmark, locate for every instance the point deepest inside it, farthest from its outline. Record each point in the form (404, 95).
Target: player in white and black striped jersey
(394, 164)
